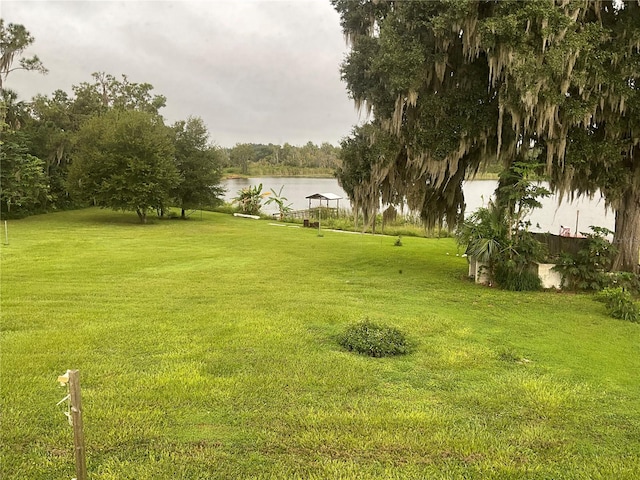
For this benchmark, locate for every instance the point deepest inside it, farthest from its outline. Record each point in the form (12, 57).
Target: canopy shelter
(321, 197)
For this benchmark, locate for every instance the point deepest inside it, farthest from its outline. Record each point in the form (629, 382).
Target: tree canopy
(459, 83)
(124, 160)
(14, 40)
(198, 164)
(23, 183)
(22, 177)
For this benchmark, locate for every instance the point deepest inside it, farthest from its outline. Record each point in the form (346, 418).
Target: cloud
(255, 70)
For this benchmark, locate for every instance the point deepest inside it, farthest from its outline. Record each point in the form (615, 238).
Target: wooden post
(76, 418)
(6, 233)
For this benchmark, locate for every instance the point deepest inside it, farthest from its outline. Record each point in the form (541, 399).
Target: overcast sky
(256, 71)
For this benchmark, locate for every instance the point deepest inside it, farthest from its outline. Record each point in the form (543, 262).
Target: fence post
(76, 418)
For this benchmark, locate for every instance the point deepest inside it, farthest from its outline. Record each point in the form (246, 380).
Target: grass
(207, 349)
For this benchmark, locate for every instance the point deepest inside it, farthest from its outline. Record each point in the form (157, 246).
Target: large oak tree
(460, 83)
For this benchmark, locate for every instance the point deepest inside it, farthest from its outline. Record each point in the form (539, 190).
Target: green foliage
(368, 338)
(620, 304)
(123, 160)
(279, 200)
(360, 157)
(483, 233)
(23, 183)
(228, 208)
(249, 200)
(498, 236)
(587, 270)
(241, 155)
(50, 127)
(510, 255)
(517, 193)
(510, 276)
(269, 170)
(198, 165)
(14, 40)
(282, 160)
(460, 84)
(626, 280)
(107, 92)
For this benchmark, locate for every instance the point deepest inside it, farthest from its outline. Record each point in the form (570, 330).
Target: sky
(256, 71)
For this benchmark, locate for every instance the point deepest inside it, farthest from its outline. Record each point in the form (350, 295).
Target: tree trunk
(627, 234)
(142, 215)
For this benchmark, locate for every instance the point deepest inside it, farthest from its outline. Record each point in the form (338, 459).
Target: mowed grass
(207, 350)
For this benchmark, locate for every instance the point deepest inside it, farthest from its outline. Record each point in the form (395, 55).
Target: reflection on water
(549, 218)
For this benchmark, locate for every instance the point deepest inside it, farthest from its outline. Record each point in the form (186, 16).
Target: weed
(510, 355)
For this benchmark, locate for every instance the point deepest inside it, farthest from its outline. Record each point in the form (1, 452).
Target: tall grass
(208, 349)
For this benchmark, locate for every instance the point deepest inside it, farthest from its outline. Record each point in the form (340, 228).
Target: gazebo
(322, 197)
(328, 197)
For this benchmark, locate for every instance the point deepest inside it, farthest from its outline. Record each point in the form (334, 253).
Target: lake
(585, 212)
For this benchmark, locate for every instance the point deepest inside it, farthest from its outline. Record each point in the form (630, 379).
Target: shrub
(619, 304)
(587, 270)
(249, 200)
(626, 280)
(367, 338)
(497, 235)
(516, 278)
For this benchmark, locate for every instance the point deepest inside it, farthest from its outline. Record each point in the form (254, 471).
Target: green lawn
(207, 350)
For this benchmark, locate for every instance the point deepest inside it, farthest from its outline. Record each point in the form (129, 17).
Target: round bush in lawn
(374, 340)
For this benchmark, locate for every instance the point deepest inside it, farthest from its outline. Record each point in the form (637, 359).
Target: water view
(551, 217)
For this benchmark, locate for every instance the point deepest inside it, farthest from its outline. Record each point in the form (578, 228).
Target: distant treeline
(259, 159)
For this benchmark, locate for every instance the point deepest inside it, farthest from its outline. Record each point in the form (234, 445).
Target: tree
(241, 155)
(123, 160)
(54, 119)
(367, 147)
(465, 82)
(603, 155)
(438, 114)
(108, 92)
(14, 40)
(198, 164)
(23, 183)
(50, 126)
